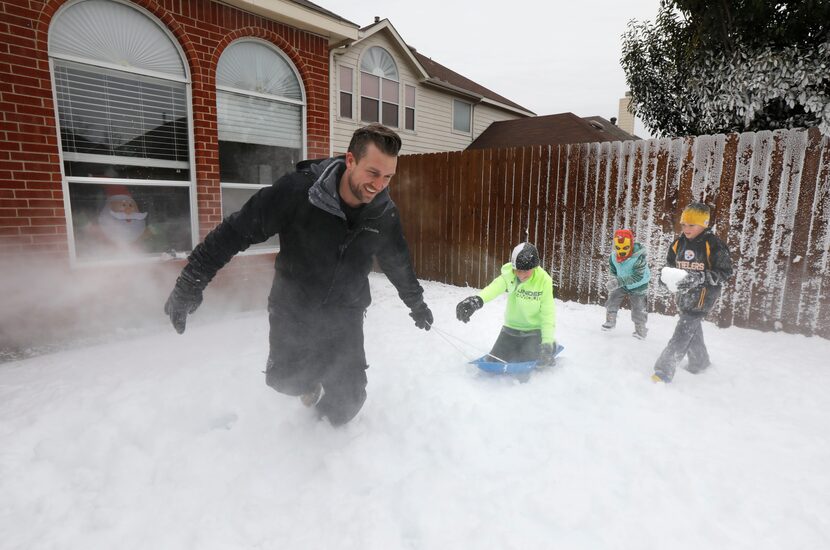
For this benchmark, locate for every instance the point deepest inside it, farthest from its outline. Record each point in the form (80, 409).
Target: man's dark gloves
(422, 316)
(691, 280)
(546, 355)
(466, 307)
(185, 298)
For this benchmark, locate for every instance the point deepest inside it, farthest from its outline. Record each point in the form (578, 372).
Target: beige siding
(433, 108)
(485, 115)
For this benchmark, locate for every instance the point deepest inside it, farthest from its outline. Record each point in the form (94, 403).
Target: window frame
(63, 157)
(468, 132)
(341, 90)
(381, 78)
(377, 99)
(406, 107)
(303, 104)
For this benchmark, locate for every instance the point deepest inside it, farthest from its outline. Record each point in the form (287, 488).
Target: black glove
(546, 357)
(691, 280)
(466, 307)
(422, 316)
(185, 298)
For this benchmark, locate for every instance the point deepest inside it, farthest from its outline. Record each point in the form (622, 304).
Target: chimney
(626, 119)
(377, 19)
(614, 120)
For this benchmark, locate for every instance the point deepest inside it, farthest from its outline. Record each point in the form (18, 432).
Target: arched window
(379, 87)
(261, 113)
(122, 92)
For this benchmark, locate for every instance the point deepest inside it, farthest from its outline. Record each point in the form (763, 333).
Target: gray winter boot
(640, 331)
(311, 398)
(610, 321)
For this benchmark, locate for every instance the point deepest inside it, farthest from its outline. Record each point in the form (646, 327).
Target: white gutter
(500, 105)
(300, 17)
(444, 85)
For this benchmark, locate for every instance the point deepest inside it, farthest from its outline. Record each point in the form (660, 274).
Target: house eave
(457, 90)
(488, 101)
(287, 12)
(387, 26)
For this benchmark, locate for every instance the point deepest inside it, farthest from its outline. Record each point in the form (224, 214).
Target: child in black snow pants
(706, 259)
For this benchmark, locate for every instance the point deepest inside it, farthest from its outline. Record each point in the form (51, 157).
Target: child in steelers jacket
(706, 259)
(530, 316)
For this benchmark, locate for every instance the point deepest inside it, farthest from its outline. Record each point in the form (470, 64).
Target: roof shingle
(561, 128)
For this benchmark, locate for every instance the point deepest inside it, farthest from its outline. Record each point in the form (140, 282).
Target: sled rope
(446, 336)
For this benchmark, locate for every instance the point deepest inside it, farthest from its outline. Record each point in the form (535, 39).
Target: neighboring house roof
(440, 76)
(550, 129)
(441, 73)
(610, 127)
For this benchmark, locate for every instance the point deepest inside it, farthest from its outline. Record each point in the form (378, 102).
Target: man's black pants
(322, 346)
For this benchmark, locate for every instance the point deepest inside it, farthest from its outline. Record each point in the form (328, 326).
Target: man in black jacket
(706, 259)
(333, 217)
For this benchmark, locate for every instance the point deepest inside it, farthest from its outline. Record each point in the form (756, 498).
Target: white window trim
(359, 118)
(126, 161)
(398, 104)
(414, 109)
(359, 85)
(120, 68)
(191, 183)
(303, 103)
(269, 97)
(351, 92)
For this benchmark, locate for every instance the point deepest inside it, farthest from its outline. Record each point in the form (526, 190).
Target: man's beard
(359, 193)
(355, 190)
(122, 228)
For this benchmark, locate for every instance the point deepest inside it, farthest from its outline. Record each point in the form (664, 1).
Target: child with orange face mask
(629, 276)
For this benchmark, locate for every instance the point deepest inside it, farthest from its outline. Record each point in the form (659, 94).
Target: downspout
(332, 114)
(334, 93)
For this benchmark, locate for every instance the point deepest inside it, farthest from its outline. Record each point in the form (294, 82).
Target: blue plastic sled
(497, 367)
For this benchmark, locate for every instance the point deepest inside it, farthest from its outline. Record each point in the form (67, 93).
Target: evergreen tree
(713, 66)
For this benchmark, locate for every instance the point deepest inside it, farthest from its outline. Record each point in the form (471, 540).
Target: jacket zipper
(350, 237)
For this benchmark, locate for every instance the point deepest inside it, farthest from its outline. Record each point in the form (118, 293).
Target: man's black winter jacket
(706, 253)
(322, 262)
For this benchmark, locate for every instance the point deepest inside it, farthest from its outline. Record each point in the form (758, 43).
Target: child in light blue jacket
(629, 276)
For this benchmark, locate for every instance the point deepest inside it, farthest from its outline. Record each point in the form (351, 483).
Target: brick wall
(32, 217)
(44, 303)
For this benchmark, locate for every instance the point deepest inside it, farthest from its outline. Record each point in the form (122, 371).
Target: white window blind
(378, 62)
(254, 67)
(108, 112)
(110, 32)
(248, 119)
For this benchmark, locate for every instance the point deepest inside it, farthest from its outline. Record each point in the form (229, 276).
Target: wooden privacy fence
(770, 191)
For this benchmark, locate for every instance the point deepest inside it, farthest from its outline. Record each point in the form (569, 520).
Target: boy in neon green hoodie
(530, 317)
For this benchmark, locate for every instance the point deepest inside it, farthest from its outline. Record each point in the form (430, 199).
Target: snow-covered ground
(175, 442)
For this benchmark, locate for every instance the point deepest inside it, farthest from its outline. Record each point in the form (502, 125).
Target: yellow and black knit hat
(696, 213)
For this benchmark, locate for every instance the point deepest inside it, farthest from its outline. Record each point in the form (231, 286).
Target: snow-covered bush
(709, 67)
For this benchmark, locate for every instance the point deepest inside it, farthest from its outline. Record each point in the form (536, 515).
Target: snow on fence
(463, 211)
